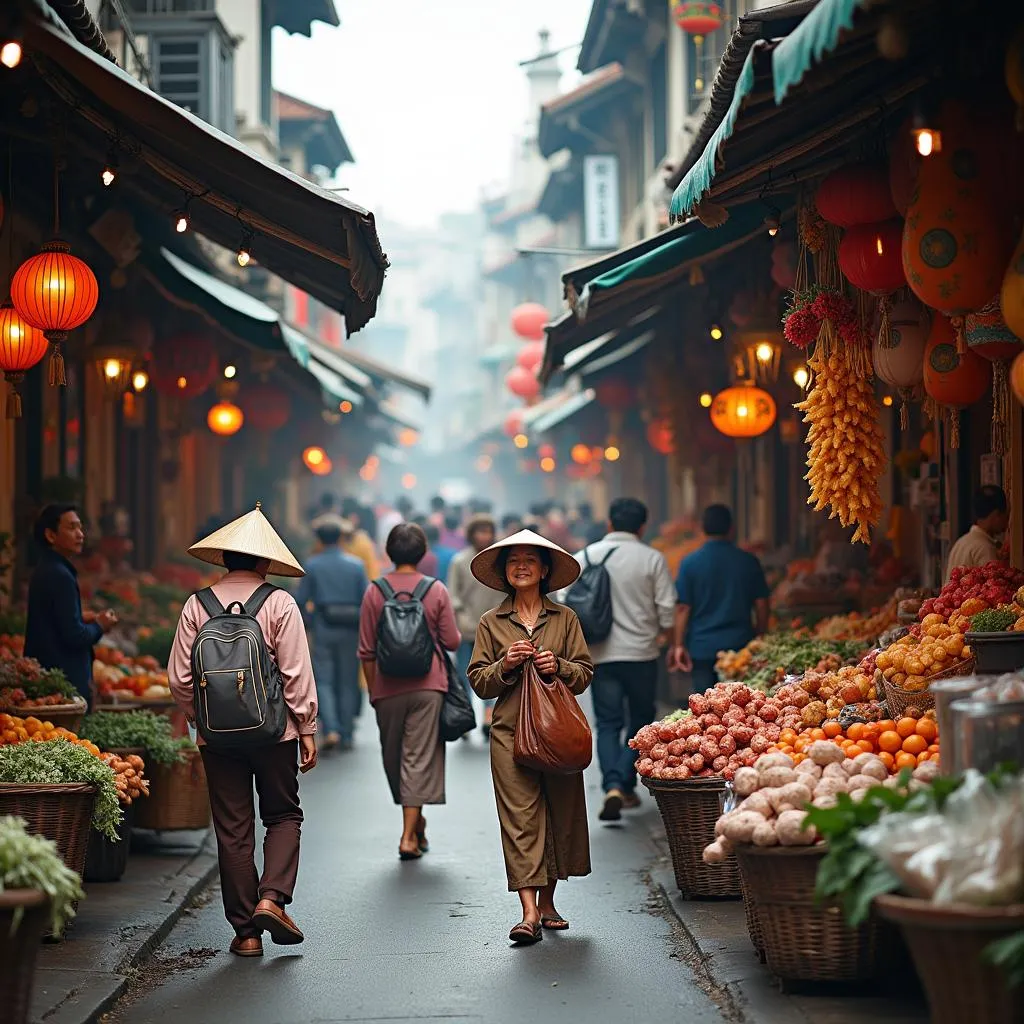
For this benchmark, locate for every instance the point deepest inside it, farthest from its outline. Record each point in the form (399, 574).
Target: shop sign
(601, 202)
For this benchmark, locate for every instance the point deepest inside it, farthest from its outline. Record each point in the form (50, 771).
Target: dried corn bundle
(846, 456)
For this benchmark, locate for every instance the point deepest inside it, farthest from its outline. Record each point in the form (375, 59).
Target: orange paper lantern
(743, 411)
(522, 383)
(55, 292)
(21, 347)
(530, 356)
(225, 419)
(952, 378)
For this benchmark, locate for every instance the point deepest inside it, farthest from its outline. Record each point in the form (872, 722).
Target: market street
(408, 941)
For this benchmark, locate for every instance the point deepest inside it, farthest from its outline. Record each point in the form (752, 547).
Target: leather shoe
(252, 946)
(273, 920)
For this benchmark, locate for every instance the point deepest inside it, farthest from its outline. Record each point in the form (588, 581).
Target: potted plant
(37, 891)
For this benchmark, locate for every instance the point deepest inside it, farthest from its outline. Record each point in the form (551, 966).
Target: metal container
(945, 691)
(988, 733)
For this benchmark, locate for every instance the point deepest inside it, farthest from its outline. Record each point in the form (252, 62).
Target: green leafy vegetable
(993, 620)
(678, 715)
(1008, 955)
(116, 730)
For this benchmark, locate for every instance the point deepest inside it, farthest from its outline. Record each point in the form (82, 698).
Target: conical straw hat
(565, 570)
(250, 534)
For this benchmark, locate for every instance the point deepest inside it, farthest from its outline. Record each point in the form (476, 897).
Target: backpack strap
(209, 603)
(385, 588)
(606, 557)
(422, 587)
(586, 558)
(258, 598)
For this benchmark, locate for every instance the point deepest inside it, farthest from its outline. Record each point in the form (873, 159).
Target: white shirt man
(978, 547)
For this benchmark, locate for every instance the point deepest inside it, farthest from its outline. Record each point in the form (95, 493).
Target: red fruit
(697, 703)
(729, 774)
(683, 772)
(759, 744)
(645, 766)
(720, 763)
(693, 743)
(709, 750)
(715, 732)
(772, 731)
(769, 711)
(688, 727)
(673, 762)
(659, 751)
(727, 744)
(709, 719)
(666, 731)
(677, 748)
(696, 762)
(743, 734)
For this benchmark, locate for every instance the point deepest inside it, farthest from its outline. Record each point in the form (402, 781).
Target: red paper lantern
(956, 379)
(225, 419)
(184, 366)
(266, 406)
(615, 394)
(513, 424)
(856, 194)
(661, 436)
(21, 347)
(530, 356)
(871, 257)
(522, 383)
(743, 411)
(528, 321)
(697, 19)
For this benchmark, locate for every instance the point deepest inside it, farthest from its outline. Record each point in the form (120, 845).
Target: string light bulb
(520, 440)
(706, 399)
(345, 407)
(764, 352)
(927, 138)
(229, 371)
(716, 332)
(181, 222)
(10, 54)
(140, 380)
(109, 173)
(612, 453)
(887, 400)
(773, 222)
(801, 377)
(547, 464)
(244, 254)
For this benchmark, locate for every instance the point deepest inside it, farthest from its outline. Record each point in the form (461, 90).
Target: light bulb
(698, 84)
(180, 222)
(878, 245)
(764, 352)
(10, 53)
(706, 400)
(230, 371)
(244, 256)
(547, 464)
(345, 407)
(111, 369)
(182, 383)
(108, 176)
(520, 440)
(742, 411)
(801, 376)
(927, 141)
(140, 380)
(716, 332)
(772, 223)
(612, 454)
(887, 400)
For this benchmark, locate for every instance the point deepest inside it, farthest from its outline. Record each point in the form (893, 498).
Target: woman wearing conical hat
(543, 817)
(250, 550)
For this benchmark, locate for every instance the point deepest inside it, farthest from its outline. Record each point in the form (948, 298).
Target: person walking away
(250, 550)
(626, 660)
(452, 536)
(356, 541)
(431, 564)
(543, 816)
(979, 545)
(330, 596)
(722, 600)
(408, 706)
(470, 598)
(58, 634)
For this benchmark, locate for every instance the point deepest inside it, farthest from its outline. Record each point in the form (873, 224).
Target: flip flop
(555, 924)
(526, 934)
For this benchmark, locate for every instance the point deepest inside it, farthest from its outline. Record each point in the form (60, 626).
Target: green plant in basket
(118, 730)
(36, 682)
(31, 862)
(60, 761)
(993, 620)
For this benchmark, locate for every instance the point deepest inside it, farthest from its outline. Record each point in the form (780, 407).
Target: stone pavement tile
(119, 924)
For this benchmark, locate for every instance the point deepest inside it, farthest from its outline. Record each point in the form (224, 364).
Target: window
(659, 103)
(195, 69)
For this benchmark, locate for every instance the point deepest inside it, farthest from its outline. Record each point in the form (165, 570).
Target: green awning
(616, 353)
(564, 410)
(334, 387)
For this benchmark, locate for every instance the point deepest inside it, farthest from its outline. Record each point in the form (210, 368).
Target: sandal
(555, 924)
(526, 934)
(421, 835)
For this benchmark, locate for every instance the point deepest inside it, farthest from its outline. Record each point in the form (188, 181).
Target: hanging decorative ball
(988, 335)
(522, 383)
(661, 436)
(855, 194)
(871, 257)
(530, 356)
(21, 347)
(513, 424)
(899, 358)
(904, 164)
(225, 419)
(266, 406)
(743, 411)
(615, 394)
(697, 19)
(581, 455)
(55, 292)
(528, 321)
(184, 366)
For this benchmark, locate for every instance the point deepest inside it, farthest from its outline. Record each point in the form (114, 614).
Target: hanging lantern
(225, 419)
(952, 378)
(661, 436)
(528, 321)
(522, 383)
(581, 455)
(743, 411)
(314, 456)
(184, 366)
(407, 437)
(55, 292)
(899, 358)
(114, 365)
(513, 424)
(21, 347)
(530, 356)
(615, 394)
(266, 406)
(871, 257)
(988, 336)
(855, 194)
(697, 19)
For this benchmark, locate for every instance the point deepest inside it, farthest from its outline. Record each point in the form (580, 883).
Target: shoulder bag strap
(422, 587)
(209, 603)
(609, 555)
(258, 598)
(385, 588)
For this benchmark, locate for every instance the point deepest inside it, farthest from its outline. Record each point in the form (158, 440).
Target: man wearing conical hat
(250, 550)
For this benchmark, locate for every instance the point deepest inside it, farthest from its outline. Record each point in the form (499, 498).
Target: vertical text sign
(601, 202)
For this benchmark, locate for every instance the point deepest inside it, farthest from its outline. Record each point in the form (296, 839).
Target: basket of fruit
(178, 798)
(933, 650)
(27, 689)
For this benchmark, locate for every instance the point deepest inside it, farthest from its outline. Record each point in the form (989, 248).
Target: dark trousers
(703, 676)
(230, 775)
(336, 668)
(623, 693)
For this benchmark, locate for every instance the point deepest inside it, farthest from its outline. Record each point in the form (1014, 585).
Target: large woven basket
(690, 811)
(19, 949)
(178, 798)
(66, 716)
(897, 700)
(804, 941)
(946, 943)
(753, 924)
(60, 811)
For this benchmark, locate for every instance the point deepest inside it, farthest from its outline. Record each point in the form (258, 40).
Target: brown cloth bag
(552, 734)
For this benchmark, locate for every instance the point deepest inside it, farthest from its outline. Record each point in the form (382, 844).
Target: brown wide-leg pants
(230, 775)
(411, 746)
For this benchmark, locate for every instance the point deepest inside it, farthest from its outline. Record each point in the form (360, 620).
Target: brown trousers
(411, 746)
(230, 775)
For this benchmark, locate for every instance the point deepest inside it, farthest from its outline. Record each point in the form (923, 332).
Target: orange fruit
(855, 731)
(915, 744)
(923, 756)
(867, 746)
(832, 729)
(885, 725)
(906, 727)
(818, 734)
(890, 742)
(933, 748)
(927, 728)
(787, 736)
(905, 760)
(887, 759)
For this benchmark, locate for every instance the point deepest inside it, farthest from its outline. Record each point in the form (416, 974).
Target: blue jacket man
(58, 634)
(330, 596)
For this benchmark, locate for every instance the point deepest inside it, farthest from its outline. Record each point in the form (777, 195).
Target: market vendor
(58, 634)
(722, 601)
(979, 545)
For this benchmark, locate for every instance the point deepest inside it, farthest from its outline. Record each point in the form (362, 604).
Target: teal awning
(564, 410)
(616, 353)
(812, 40)
(334, 387)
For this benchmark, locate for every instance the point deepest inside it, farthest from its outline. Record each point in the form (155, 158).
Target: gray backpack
(239, 700)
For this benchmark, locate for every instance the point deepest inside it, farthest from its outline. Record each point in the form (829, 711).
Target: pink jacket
(281, 622)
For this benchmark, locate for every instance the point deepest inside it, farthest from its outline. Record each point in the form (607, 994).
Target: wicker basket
(897, 700)
(19, 949)
(803, 939)
(946, 943)
(177, 797)
(753, 924)
(690, 811)
(60, 811)
(66, 716)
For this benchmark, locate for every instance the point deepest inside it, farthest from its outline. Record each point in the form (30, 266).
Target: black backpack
(405, 645)
(239, 700)
(590, 597)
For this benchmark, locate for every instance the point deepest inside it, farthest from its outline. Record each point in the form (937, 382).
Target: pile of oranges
(900, 744)
(32, 730)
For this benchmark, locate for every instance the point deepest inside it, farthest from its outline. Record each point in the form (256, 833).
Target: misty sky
(429, 93)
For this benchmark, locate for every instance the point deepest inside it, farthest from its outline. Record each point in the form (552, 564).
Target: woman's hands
(520, 651)
(546, 663)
